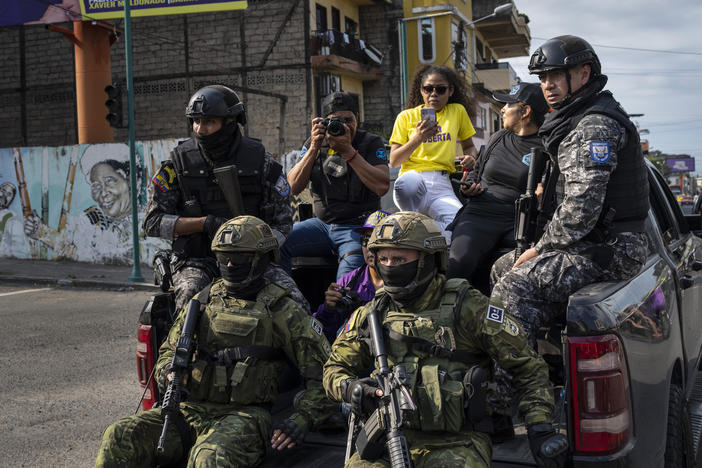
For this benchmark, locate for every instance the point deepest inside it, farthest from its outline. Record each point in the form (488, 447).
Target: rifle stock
(179, 366)
(228, 180)
(527, 205)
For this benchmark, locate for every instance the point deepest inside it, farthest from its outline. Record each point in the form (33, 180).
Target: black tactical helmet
(564, 52)
(216, 101)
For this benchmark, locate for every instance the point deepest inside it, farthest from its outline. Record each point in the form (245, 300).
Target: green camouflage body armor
(436, 383)
(228, 322)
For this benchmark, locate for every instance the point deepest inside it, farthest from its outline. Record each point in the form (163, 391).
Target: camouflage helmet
(246, 234)
(564, 52)
(216, 101)
(410, 230)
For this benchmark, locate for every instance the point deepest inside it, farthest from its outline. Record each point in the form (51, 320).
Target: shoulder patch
(495, 314)
(599, 151)
(282, 187)
(317, 327)
(381, 154)
(164, 178)
(526, 159)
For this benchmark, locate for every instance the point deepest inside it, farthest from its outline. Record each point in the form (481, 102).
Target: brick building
(281, 56)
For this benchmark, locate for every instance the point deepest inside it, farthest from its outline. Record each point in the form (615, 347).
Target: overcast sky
(664, 86)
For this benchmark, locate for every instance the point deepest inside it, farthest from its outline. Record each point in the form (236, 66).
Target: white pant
(429, 193)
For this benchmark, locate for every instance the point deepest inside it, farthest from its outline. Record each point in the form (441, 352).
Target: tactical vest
(436, 382)
(344, 194)
(627, 190)
(198, 183)
(245, 328)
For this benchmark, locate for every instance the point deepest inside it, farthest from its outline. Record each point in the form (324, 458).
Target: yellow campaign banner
(111, 9)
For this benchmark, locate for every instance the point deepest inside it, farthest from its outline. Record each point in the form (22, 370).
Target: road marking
(25, 291)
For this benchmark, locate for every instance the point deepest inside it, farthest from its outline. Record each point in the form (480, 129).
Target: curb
(81, 283)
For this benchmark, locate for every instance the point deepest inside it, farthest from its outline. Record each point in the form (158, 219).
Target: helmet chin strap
(568, 97)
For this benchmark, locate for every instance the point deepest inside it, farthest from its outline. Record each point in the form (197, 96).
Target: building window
(496, 121)
(482, 118)
(321, 17)
(336, 19)
(351, 27)
(459, 49)
(427, 41)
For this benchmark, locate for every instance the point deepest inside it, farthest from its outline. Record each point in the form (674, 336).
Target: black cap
(528, 93)
(336, 102)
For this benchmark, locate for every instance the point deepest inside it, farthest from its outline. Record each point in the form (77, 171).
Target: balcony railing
(333, 42)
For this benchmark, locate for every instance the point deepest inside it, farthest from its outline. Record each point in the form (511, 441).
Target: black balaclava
(218, 145)
(407, 282)
(245, 280)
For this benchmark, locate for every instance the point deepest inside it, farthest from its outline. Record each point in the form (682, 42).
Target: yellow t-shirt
(438, 152)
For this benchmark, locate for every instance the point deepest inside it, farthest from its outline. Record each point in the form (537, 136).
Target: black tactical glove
(360, 393)
(212, 223)
(293, 430)
(549, 448)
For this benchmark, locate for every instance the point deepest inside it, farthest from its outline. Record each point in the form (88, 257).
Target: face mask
(398, 275)
(217, 145)
(235, 274)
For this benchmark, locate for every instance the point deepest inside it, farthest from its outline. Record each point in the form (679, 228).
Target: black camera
(335, 126)
(349, 301)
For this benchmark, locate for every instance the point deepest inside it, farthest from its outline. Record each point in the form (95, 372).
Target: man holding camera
(349, 172)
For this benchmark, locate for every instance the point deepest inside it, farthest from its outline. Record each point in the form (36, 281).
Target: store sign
(680, 164)
(111, 9)
(16, 12)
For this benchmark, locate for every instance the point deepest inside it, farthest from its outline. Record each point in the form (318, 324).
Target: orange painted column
(93, 73)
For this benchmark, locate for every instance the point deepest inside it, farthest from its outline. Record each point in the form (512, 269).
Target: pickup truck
(627, 362)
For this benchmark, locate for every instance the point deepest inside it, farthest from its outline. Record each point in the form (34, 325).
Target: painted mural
(73, 202)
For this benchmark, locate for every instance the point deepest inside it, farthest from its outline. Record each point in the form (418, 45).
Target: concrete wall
(75, 202)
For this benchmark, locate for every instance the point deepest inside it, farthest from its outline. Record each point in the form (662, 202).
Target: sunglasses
(440, 89)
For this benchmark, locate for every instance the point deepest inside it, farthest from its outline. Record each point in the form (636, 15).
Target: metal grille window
(427, 40)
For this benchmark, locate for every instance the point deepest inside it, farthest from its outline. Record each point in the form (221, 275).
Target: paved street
(68, 370)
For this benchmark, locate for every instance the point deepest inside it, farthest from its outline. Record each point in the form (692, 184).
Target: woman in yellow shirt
(426, 148)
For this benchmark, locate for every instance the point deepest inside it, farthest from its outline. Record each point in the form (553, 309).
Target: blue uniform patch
(495, 314)
(526, 159)
(381, 154)
(303, 152)
(599, 151)
(282, 187)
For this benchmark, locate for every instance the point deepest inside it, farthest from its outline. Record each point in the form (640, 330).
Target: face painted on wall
(7, 194)
(110, 190)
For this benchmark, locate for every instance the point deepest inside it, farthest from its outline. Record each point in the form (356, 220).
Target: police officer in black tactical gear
(598, 206)
(208, 177)
(348, 170)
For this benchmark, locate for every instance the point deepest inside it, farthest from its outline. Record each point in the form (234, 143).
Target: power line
(658, 51)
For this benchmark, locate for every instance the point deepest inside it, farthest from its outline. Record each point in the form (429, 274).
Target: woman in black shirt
(485, 224)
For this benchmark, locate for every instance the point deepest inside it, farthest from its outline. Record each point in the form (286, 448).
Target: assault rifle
(228, 180)
(179, 366)
(526, 226)
(384, 423)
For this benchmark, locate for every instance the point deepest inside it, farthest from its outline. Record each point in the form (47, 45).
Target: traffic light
(114, 105)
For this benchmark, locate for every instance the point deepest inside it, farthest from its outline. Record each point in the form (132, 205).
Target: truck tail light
(600, 399)
(145, 365)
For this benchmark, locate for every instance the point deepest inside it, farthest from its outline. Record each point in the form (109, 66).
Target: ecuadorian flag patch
(164, 178)
(599, 151)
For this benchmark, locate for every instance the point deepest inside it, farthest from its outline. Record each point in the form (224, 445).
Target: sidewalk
(73, 274)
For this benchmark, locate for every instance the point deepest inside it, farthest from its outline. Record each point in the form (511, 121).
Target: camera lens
(336, 127)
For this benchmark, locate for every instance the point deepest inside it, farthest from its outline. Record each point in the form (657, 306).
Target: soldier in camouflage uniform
(596, 232)
(186, 206)
(438, 329)
(228, 408)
